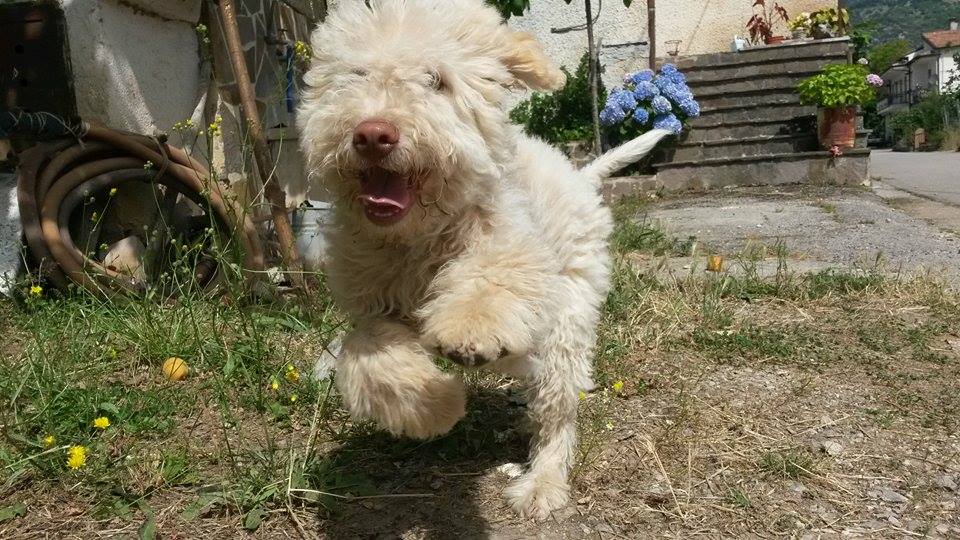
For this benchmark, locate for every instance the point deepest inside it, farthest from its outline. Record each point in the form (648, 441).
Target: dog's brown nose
(375, 139)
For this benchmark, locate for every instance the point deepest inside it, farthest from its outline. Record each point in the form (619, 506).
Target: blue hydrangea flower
(623, 99)
(668, 69)
(661, 105)
(674, 92)
(641, 116)
(645, 91)
(612, 114)
(644, 75)
(676, 78)
(668, 122)
(690, 107)
(662, 82)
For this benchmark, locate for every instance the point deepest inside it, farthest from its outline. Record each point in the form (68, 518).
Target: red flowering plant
(761, 24)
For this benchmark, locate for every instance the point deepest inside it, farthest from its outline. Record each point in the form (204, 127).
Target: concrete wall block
(175, 10)
(132, 70)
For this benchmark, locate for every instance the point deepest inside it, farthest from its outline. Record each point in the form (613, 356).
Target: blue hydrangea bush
(650, 100)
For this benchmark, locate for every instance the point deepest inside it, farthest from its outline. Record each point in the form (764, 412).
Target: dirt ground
(769, 404)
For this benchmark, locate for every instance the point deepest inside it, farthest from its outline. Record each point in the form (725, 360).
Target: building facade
(930, 68)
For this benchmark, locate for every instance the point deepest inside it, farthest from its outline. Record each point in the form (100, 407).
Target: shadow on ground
(448, 469)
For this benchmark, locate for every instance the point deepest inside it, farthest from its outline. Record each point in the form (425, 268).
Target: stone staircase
(753, 129)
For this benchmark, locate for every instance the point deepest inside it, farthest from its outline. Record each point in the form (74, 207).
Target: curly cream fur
(505, 256)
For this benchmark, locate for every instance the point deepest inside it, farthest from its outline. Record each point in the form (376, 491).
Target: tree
(884, 55)
(515, 8)
(509, 8)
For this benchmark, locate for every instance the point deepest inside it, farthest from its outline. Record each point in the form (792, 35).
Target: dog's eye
(359, 72)
(435, 81)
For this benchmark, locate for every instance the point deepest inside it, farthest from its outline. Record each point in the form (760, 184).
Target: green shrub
(936, 114)
(838, 85)
(562, 116)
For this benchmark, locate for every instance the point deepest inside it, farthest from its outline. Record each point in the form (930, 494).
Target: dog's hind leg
(384, 374)
(561, 371)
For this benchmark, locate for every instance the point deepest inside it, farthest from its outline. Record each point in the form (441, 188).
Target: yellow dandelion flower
(618, 386)
(101, 422)
(49, 441)
(292, 375)
(113, 191)
(293, 398)
(77, 457)
(36, 290)
(582, 395)
(274, 385)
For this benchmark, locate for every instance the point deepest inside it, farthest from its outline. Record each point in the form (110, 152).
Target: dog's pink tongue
(385, 189)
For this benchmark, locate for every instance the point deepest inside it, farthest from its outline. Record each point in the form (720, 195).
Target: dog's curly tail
(623, 155)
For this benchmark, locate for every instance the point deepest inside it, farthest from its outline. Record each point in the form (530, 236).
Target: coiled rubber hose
(55, 178)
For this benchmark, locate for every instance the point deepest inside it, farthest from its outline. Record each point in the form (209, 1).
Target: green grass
(224, 445)
(787, 464)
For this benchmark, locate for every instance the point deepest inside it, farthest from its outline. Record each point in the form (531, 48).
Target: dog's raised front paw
(475, 333)
(470, 355)
(536, 495)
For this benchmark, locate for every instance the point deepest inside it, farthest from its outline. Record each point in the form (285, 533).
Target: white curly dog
(453, 232)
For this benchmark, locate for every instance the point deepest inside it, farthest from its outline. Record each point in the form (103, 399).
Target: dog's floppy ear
(524, 57)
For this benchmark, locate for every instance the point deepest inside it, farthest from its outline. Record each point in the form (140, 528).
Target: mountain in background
(903, 18)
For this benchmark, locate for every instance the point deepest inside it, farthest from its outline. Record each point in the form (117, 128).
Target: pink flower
(874, 80)
(835, 151)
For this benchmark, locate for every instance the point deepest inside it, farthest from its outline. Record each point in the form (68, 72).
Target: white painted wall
(947, 66)
(134, 68)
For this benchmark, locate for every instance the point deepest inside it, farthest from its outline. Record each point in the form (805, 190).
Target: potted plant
(837, 91)
(829, 23)
(761, 24)
(800, 26)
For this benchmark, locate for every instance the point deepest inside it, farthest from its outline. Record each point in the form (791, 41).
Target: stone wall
(702, 26)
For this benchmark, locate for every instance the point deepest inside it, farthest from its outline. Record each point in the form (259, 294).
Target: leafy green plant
(936, 114)
(516, 8)
(562, 116)
(883, 55)
(838, 85)
(830, 22)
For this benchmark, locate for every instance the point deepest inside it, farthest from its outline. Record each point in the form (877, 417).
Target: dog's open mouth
(386, 195)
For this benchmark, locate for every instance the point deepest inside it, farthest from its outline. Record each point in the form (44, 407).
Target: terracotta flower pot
(837, 126)
(773, 40)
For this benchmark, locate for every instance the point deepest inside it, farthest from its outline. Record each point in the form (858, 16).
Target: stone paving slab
(819, 227)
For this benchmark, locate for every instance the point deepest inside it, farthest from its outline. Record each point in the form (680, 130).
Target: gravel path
(820, 227)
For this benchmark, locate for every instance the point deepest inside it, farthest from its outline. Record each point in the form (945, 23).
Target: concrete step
(768, 61)
(819, 167)
(806, 48)
(743, 147)
(710, 133)
(759, 73)
(753, 114)
(778, 83)
(711, 103)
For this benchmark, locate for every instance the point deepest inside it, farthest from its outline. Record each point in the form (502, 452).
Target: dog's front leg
(488, 305)
(384, 374)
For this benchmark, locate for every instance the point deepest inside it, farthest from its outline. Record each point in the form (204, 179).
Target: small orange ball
(175, 369)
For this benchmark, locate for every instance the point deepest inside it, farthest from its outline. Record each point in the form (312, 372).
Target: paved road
(931, 174)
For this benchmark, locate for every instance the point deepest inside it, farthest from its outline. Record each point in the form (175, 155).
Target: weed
(738, 498)
(787, 464)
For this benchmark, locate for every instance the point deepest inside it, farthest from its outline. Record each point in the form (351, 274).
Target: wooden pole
(261, 152)
(594, 78)
(652, 32)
